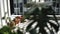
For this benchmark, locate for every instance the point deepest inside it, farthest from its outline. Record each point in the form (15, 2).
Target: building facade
(16, 7)
(56, 6)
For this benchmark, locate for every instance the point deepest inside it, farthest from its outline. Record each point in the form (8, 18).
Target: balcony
(40, 2)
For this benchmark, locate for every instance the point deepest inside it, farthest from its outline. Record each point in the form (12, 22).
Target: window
(16, 7)
(54, 4)
(45, 0)
(25, 1)
(57, 5)
(57, 10)
(54, 0)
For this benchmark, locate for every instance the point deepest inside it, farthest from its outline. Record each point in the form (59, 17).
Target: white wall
(0, 13)
(2, 8)
(5, 7)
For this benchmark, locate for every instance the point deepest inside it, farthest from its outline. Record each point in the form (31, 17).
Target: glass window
(54, 4)
(16, 7)
(25, 1)
(57, 5)
(21, 7)
(57, 10)
(54, 0)
(47, 0)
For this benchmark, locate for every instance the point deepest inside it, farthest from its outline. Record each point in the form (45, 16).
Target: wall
(5, 7)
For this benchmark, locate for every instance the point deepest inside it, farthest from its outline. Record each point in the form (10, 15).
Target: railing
(40, 1)
(56, 6)
(52, 17)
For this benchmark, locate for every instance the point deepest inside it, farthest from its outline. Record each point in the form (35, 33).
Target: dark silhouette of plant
(41, 17)
(5, 30)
